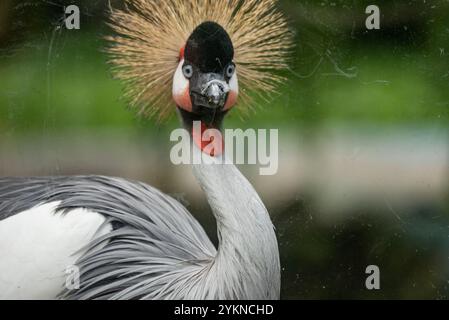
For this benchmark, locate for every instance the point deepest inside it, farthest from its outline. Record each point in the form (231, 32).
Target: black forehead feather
(209, 47)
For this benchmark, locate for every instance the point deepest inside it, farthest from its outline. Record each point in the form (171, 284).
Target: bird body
(127, 239)
(126, 225)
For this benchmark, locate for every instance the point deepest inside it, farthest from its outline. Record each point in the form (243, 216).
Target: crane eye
(187, 70)
(230, 70)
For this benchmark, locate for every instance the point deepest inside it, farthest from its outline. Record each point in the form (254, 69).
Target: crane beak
(210, 91)
(215, 91)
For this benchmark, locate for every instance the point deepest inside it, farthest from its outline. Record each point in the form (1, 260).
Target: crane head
(187, 53)
(205, 84)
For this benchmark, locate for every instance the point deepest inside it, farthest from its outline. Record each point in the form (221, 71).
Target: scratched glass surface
(363, 125)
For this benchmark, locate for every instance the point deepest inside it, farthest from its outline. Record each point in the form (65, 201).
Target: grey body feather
(157, 250)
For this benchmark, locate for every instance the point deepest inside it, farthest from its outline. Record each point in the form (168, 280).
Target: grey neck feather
(247, 262)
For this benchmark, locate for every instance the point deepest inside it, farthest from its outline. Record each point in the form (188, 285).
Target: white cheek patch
(233, 92)
(181, 85)
(234, 84)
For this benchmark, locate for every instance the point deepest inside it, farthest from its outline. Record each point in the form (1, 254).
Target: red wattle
(181, 53)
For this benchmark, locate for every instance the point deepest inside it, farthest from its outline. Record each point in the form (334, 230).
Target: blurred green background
(363, 124)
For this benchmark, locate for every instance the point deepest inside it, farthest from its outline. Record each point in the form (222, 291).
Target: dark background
(363, 124)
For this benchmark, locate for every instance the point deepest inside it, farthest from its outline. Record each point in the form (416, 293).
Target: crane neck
(248, 250)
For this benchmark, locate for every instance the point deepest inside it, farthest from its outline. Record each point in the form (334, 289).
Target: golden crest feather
(150, 34)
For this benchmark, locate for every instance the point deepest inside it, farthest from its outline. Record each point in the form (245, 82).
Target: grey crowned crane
(127, 239)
